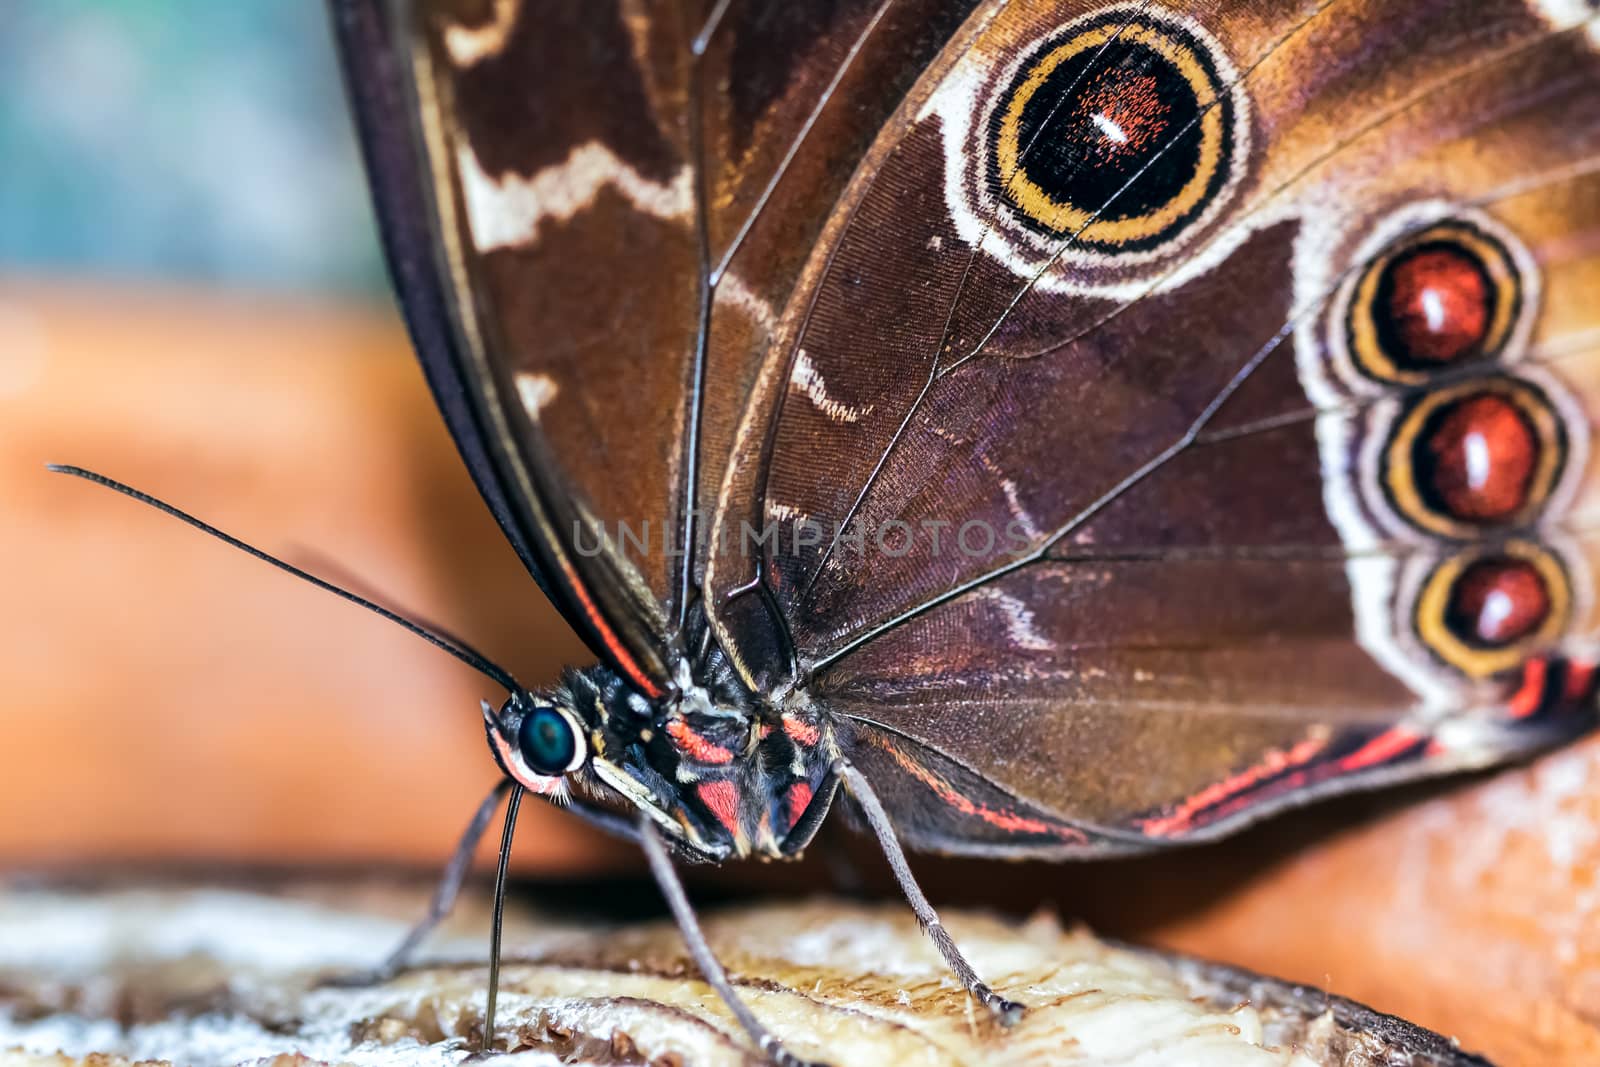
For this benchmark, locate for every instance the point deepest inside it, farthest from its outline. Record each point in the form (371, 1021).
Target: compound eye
(550, 741)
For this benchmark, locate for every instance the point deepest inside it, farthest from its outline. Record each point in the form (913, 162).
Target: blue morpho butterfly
(1067, 429)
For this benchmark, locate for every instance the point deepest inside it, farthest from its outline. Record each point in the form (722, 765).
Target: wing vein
(1138, 475)
(1195, 432)
(950, 314)
(760, 205)
(1376, 122)
(691, 464)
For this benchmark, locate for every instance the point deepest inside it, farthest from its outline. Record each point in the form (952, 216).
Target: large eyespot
(550, 741)
(1479, 454)
(1431, 301)
(1116, 133)
(1484, 613)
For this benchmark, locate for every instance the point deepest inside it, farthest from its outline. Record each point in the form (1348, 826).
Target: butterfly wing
(1086, 293)
(1187, 413)
(404, 88)
(590, 217)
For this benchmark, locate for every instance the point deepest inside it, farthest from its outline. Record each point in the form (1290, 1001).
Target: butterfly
(1051, 428)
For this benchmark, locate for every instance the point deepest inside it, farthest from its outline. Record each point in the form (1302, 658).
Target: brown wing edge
(381, 87)
(940, 805)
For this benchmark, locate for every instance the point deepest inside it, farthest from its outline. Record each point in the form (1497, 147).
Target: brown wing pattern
(1126, 418)
(623, 193)
(1248, 346)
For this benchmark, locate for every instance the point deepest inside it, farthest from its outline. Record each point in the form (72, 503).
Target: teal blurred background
(190, 140)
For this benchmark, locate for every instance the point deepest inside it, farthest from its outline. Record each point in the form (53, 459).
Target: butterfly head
(714, 778)
(586, 742)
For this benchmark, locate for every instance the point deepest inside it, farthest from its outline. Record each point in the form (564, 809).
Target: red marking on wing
(799, 799)
(1005, 820)
(1580, 681)
(1273, 764)
(1552, 686)
(1134, 108)
(800, 731)
(641, 681)
(696, 747)
(1529, 698)
(1497, 601)
(1434, 302)
(722, 799)
(1483, 454)
(1387, 746)
(1284, 772)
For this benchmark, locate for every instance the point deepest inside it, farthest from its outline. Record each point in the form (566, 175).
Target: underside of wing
(1081, 708)
(416, 77)
(593, 210)
(1188, 412)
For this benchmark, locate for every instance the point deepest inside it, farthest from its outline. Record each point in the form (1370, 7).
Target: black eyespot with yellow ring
(1433, 300)
(1118, 133)
(1485, 612)
(1477, 455)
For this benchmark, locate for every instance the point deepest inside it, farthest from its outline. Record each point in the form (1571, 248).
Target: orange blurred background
(164, 698)
(168, 696)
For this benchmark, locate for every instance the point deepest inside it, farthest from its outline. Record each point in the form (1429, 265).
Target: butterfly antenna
(513, 804)
(459, 649)
(338, 574)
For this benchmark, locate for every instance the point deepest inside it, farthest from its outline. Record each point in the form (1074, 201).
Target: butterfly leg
(672, 889)
(1006, 1011)
(444, 896)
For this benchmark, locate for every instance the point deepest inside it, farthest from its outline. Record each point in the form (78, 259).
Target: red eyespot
(1485, 614)
(1476, 458)
(1434, 305)
(1497, 602)
(1432, 300)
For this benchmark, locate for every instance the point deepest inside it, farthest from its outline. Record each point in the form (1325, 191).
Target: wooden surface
(166, 698)
(222, 976)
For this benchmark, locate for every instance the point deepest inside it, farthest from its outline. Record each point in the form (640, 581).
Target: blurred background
(189, 141)
(192, 301)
